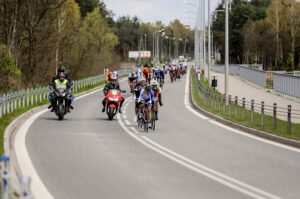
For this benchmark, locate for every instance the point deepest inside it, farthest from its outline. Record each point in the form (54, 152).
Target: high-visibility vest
(60, 84)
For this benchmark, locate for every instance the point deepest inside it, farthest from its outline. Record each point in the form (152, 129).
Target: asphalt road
(187, 156)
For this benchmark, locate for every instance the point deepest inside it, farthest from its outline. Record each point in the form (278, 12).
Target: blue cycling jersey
(148, 98)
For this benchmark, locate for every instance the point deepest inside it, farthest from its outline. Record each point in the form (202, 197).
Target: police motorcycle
(62, 100)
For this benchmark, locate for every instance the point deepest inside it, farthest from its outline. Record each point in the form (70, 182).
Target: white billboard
(143, 54)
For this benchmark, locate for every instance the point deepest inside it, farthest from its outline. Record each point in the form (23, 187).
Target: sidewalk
(241, 88)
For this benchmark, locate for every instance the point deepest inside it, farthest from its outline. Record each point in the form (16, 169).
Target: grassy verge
(281, 129)
(8, 118)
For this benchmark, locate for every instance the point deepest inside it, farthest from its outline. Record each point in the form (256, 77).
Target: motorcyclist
(61, 82)
(67, 76)
(157, 94)
(112, 84)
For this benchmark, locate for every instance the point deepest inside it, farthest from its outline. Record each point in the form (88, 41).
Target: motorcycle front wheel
(111, 113)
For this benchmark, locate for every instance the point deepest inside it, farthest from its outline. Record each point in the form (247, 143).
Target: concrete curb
(245, 129)
(13, 128)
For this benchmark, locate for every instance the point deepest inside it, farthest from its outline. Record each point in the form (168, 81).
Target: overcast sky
(154, 10)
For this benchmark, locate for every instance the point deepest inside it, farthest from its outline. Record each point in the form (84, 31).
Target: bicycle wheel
(153, 120)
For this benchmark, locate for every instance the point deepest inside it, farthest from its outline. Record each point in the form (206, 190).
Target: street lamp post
(226, 47)
(209, 46)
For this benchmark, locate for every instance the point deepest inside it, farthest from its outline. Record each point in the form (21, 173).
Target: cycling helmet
(154, 83)
(148, 88)
(142, 79)
(113, 79)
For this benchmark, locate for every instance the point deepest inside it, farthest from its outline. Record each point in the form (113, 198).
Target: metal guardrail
(286, 84)
(234, 107)
(12, 101)
(252, 75)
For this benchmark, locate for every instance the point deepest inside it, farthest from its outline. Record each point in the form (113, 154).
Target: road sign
(143, 54)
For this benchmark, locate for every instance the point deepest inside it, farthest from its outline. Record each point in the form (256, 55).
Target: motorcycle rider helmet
(148, 88)
(61, 68)
(113, 80)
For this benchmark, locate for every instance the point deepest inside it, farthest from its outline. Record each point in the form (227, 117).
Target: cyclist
(161, 75)
(137, 90)
(157, 94)
(108, 76)
(146, 100)
(117, 75)
(146, 73)
(132, 81)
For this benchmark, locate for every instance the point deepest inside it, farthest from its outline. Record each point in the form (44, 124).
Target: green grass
(8, 118)
(281, 129)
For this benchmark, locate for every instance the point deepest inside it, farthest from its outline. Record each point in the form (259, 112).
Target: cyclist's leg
(149, 107)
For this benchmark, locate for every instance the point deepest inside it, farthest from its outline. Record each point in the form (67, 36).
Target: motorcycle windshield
(114, 92)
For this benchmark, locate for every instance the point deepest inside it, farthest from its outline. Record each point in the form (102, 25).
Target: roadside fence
(280, 81)
(258, 114)
(12, 101)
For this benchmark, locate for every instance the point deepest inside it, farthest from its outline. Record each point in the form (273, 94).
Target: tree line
(261, 31)
(36, 35)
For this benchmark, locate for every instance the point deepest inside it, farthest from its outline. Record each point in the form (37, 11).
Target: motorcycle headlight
(63, 94)
(111, 99)
(116, 100)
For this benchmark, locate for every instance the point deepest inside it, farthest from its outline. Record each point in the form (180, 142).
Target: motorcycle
(113, 100)
(61, 97)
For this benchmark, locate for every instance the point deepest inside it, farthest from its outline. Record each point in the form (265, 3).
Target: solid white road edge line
(200, 169)
(27, 168)
(188, 106)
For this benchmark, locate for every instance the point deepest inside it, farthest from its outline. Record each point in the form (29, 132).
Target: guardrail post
(43, 92)
(23, 103)
(12, 102)
(16, 99)
(27, 97)
(262, 113)
(244, 107)
(25, 187)
(289, 119)
(20, 97)
(236, 106)
(215, 105)
(36, 95)
(229, 105)
(31, 96)
(219, 102)
(224, 104)
(5, 177)
(1, 99)
(40, 89)
(212, 99)
(4, 104)
(252, 112)
(7, 103)
(274, 115)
